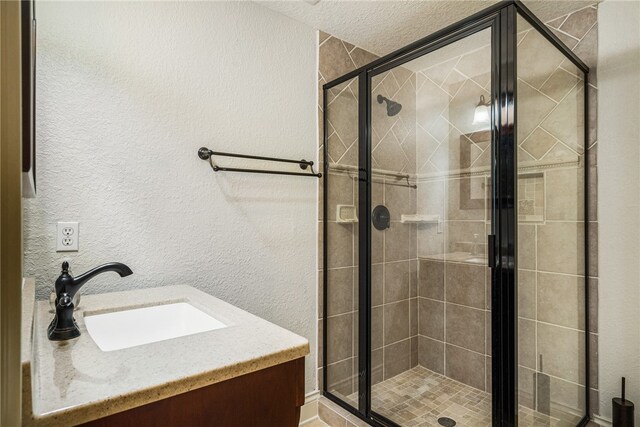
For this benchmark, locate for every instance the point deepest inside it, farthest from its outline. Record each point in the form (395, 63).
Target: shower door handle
(491, 250)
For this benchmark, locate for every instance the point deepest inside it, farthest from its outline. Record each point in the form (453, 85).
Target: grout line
(448, 75)
(445, 240)
(568, 328)
(585, 34)
(397, 82)
(524, 36)
(455, 304)
(325, 40)
(563, 32)
(563, 21)
(446, 343)
(346, 150)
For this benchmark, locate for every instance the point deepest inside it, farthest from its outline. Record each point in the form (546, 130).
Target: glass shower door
(552, 374)
(340, 315)
(430, 179)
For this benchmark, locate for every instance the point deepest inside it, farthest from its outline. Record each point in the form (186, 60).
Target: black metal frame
(364, 236)
(504, 317)
(587, 270)
(502, 257)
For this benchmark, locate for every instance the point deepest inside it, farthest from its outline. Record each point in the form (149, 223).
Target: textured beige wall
(619, 201)
(122, 109)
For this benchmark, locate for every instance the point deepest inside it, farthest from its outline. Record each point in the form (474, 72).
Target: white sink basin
(130, 328)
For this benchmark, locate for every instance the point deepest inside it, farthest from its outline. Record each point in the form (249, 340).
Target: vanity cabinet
(268, 397)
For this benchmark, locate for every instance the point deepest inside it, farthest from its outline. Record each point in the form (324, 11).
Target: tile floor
(419, 397)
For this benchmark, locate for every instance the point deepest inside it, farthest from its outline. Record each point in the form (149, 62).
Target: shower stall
(455, 243)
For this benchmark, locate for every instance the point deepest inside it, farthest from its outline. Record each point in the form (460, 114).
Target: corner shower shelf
(423, 219)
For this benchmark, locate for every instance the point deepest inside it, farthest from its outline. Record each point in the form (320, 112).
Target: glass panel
(342, 238)
(431, 151)
(550, 125)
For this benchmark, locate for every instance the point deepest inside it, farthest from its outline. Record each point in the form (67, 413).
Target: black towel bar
(205, 154)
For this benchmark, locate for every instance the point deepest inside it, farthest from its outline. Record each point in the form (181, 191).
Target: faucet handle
(63, 326)
(63, 281)
(64, 301)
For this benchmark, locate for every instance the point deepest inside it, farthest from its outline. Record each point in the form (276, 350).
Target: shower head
(393, 107)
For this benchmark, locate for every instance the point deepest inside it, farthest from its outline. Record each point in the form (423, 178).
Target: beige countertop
(74, 381)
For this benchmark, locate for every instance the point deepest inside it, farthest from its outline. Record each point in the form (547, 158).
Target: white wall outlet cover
(67, 236)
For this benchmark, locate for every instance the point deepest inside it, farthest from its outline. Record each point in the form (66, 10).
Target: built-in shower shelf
(420, 219)
(346, 213)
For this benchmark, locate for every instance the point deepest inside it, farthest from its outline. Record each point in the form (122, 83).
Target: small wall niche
(531, 197)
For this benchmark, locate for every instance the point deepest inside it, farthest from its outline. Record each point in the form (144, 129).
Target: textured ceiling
(384, 26)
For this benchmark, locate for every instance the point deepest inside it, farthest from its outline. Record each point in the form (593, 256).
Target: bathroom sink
(130, 328)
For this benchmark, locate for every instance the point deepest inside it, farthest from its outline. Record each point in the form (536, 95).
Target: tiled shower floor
(418, 397)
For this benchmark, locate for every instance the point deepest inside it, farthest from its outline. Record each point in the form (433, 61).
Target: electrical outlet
(67, 237)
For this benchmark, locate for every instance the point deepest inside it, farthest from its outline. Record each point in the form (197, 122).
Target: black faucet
(63, 326)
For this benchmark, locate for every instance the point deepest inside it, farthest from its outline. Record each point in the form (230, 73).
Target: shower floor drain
(446, 422)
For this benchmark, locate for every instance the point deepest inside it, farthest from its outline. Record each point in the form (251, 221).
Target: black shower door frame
(502, 242)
